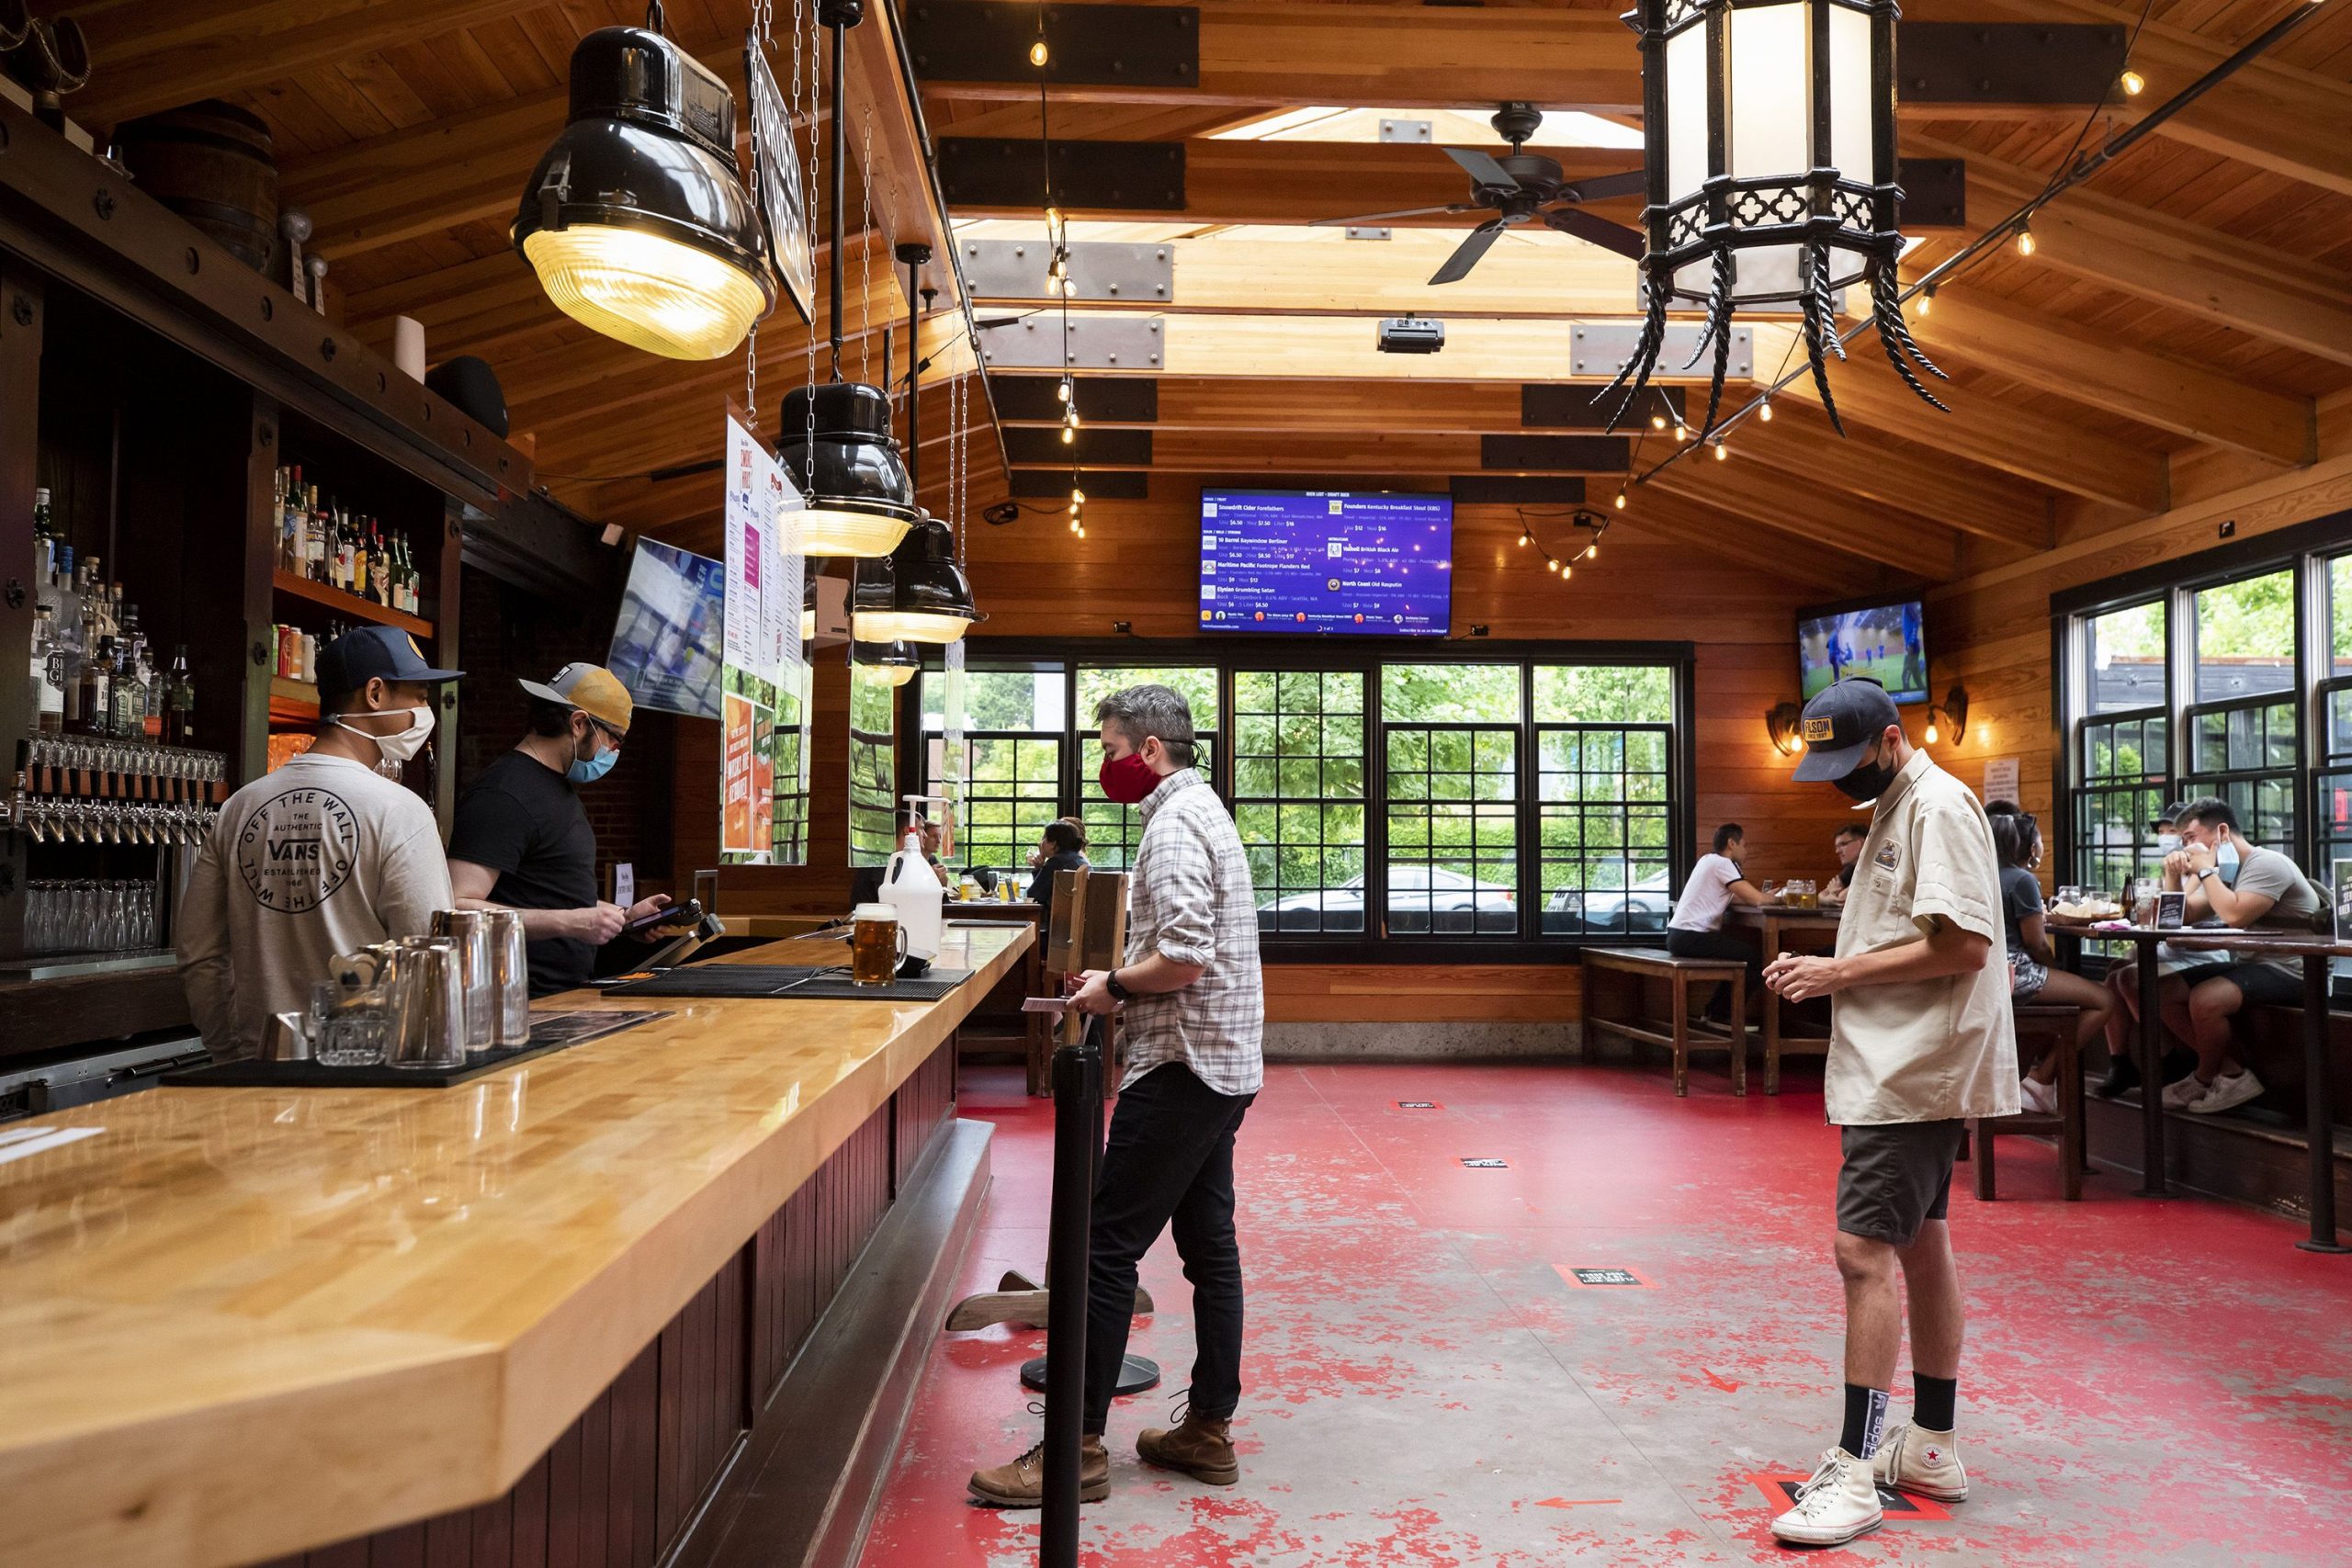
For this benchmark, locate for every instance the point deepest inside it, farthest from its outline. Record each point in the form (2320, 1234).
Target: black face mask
(1868, 781)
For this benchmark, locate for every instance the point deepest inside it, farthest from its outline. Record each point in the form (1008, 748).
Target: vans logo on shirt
(1888, 855)
(296, 850)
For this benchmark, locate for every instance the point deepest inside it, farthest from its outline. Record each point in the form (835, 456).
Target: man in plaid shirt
(1193, 1019)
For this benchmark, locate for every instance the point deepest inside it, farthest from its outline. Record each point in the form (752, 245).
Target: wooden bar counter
(245, 1322)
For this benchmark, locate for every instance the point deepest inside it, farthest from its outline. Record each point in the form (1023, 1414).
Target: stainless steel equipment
(469, 930)
(425, 1005)
(510, 979)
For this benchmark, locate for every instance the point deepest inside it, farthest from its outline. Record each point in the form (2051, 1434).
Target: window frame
(1365, 657)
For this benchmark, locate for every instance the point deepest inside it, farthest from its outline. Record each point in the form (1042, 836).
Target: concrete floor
(2145, 1383)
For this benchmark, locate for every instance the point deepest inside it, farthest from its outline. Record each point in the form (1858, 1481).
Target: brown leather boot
(1022, 1483)
(1200, 1448)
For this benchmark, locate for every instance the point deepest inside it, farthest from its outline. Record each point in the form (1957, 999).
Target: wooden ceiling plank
(1972, 498)
(1820, 520)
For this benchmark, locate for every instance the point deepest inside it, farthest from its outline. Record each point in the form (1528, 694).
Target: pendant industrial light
(921, 594)
(1769, 135)
(636, 219)
(857, 499)
(895, 659)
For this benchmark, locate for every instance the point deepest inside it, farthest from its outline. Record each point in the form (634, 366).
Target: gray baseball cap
(1838, 727)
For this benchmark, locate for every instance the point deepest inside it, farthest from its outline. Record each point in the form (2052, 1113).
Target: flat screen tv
(668, 641)
(1367, 563)
(1882, 641)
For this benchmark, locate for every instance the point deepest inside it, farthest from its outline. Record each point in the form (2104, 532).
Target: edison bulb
(1037, 55)
(2025, 246)
(1765, 412)
(1681, 431)
(1723, 452)
(1657, 422)
(1621, 501)
(1931, 732)
(2134, 83)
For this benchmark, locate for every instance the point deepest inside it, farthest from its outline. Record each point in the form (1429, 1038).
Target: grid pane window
(1012, 789)
(1452, 823)
(872, 754)
(2125, 786)
(2127, 649)
(1604, 694)
(1114, 830)
(1298, 795)
(1604, 829)
(2245, 638)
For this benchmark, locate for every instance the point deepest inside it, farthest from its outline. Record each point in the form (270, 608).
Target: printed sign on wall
(763, 714)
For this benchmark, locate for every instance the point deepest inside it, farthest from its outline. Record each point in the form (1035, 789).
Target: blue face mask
(588, 770)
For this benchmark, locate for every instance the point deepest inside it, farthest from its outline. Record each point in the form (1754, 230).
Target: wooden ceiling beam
(148, 55)
(2088, 234)
(1712, 534)
(1813, 516)
(2089, 366)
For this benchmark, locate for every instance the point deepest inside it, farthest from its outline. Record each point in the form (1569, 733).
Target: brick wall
(506, 635)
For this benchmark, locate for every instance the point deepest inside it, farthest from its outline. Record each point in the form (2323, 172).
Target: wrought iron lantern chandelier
(1770, 137)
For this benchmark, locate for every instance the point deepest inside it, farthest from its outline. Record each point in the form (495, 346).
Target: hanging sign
(776, 178)
(764, 706)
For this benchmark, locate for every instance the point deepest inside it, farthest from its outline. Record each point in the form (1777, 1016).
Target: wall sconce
(1781, 724)
(1953, 712)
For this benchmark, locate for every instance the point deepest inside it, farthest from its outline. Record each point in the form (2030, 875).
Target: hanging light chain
(802, 10)
(866, 247)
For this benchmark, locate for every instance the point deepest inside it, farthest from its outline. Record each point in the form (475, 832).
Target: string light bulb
(1657, 422)
(1592, 549)
(1681, 431)
(2025, 246)
(1064, 389)
(2132, 83)
(1550, 565)
(1522, 539)
(1620, 499)
(1723, 452)
(1037, 55)
(1077, 498)
(1928, 300)
(1070, 436)
(1764, 411)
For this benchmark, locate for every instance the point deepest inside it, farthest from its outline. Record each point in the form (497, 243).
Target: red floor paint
(2146, 1383)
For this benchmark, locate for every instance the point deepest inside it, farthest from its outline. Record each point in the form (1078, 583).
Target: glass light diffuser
(646, 290)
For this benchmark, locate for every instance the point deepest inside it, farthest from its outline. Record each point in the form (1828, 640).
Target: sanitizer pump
(913, 889)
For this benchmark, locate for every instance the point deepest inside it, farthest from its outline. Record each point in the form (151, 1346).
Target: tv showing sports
(666, 645)
(1882, 641)
(1365, 563)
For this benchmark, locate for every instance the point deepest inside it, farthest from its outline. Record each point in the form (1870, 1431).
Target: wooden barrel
(212, 164)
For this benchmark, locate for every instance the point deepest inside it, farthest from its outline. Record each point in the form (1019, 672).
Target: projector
(1411, 335)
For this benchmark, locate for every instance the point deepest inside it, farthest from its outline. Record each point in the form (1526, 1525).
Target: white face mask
(2167, 842)
(401, 744)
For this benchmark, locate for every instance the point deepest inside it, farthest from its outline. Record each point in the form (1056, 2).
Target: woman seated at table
(1696, 930)
(2016, 842)
(1062, 847)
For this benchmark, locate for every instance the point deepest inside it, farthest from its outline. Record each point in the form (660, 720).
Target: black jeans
(1718, 944)
(1168, 1161)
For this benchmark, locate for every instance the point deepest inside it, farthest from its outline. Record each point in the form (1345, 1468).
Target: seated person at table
(1849, 845)
(2017, 842)
(915, 821)
(1062, 847)
(2269, 893)
(1696, 930)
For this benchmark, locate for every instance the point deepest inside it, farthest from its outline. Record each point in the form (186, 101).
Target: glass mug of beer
(877, 945)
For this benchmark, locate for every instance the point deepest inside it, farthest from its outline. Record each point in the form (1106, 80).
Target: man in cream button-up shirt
(1921, 1040)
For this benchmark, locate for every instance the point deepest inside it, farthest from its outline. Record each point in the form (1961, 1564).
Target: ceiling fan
(1518, 188)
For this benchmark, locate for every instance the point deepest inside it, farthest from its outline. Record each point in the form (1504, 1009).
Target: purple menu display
(1332, 561)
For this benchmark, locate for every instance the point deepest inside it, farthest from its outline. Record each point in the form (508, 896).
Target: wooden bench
(1677, 1032)
(2040, 1025)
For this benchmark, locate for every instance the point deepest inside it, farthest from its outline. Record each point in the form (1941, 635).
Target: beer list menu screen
(1326, 561)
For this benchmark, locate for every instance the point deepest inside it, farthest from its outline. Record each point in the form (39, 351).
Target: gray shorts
(1897, 1177)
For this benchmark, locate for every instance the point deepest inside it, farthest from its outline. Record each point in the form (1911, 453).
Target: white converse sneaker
(2227, 1090)
(1839, 1503)
(2041, 1099)
(2182, 1092)
(1927, 1464)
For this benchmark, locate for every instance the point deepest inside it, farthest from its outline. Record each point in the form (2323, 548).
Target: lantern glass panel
(1772, 82)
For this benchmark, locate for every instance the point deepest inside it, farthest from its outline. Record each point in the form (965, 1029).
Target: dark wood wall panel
(621, 1483)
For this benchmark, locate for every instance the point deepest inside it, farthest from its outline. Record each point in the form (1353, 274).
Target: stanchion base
(1138, 1373)
(2320, 1247)
(2156, 1192)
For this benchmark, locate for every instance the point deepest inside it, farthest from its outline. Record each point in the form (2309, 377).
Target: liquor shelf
(352, 604)
(293, 702)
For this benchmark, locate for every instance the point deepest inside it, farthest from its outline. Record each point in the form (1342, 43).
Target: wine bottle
(179, 701)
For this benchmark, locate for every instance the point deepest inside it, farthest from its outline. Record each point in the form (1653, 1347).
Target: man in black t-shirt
(522, 839)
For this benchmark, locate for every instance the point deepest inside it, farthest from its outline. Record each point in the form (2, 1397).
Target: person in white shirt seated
(1696, 930)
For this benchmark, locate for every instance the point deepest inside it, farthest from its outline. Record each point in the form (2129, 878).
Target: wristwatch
(2209, 871)
(1111, 982)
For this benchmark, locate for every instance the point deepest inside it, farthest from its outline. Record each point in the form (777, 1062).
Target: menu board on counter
(763, 716)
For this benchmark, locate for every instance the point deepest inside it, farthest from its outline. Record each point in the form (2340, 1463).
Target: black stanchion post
(1078, 1121)
(2319, 1128)
(2153, 1183)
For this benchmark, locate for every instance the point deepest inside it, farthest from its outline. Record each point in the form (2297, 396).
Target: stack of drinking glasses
(87, 916)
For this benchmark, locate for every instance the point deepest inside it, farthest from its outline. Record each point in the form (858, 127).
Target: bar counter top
(242, 1322)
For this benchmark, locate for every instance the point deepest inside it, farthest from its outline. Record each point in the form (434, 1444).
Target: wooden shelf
(293, 702)
(350, 604)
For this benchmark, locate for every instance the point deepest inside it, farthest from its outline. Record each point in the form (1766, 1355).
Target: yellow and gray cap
(592, 689)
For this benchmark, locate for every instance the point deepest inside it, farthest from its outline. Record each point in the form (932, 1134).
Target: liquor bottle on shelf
(45, 540)
(96, 708)
(291, 529)
(315, 537)
(379, 577)
(80, 649)
(49, 670)
(179, 701)
(130, 694)
(151, 676)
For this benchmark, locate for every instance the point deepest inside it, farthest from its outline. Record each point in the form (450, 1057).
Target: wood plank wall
(623, 1482)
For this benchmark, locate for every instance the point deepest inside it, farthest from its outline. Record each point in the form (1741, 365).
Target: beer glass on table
(877, 945)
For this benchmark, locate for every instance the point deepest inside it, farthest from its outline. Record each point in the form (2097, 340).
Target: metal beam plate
(1101, 46)
(1043, 449)
(1101, 399)
(1035, 484)
(1128, 177)
(1097, 342)
(1935, 194)
(1601, 346)
(1505, 489)
(1015, 269)
(1560, 454)
(1548, 406)
(2007, 62)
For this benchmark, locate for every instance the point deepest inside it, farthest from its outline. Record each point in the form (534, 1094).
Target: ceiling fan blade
(1482, 168)
(1601, 187)
(1384, 216)
(1627, 243)
(1467, 253)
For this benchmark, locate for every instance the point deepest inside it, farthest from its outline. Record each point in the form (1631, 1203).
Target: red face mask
(1127, 779)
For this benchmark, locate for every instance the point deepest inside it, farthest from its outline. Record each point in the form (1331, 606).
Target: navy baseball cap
(1838, 727)
(2172, 813)
(353, 660)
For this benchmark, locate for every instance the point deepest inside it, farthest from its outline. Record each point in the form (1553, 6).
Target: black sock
(1933, 1401)
(1865, 1419)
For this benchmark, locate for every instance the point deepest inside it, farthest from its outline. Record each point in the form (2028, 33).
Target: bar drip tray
(74, 966)
(550, 1032)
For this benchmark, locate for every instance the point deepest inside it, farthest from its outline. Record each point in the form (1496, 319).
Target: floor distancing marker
(1588, 1278)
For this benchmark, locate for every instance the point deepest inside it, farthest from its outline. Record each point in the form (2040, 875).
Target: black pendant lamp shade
(919, 594)
(860, 499)
(637, 219)
(896, 659)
